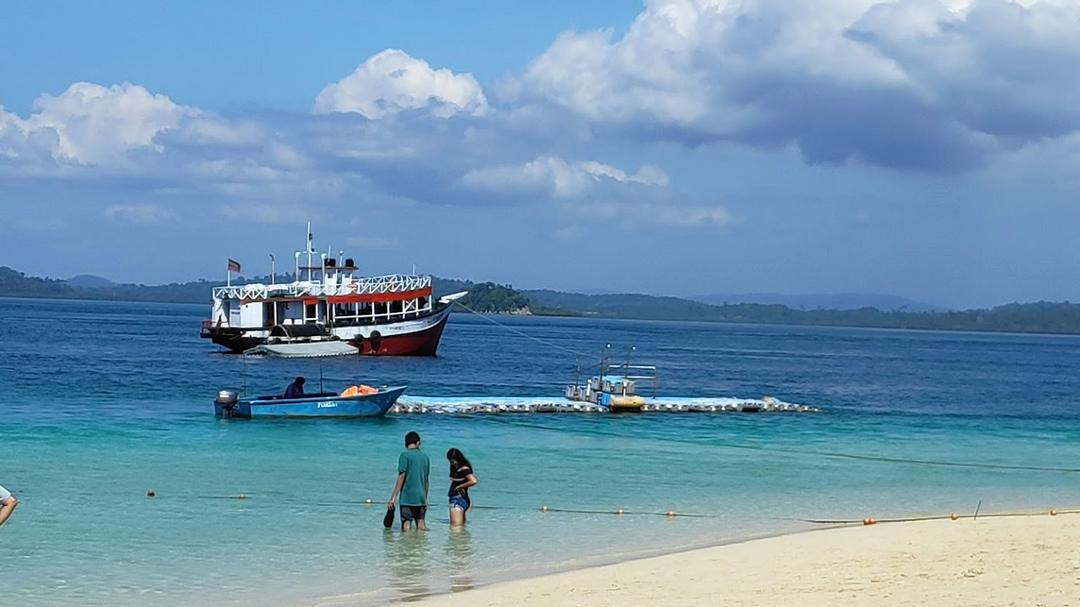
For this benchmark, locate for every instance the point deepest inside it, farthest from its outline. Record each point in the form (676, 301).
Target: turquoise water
(107, 400)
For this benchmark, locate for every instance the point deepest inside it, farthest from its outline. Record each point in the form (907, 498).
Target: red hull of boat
(421, 343)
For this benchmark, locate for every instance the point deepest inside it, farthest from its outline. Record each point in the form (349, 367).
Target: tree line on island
(493, 298)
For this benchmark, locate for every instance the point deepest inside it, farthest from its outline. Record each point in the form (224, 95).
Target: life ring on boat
(375, 339)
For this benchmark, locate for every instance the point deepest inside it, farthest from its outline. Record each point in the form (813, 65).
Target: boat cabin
(330, 296)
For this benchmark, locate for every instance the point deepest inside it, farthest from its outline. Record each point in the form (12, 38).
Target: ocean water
(104, 401)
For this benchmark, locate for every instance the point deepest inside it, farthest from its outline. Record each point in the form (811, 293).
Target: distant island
(493, 298)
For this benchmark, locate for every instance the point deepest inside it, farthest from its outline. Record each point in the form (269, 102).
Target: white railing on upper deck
(393, 283)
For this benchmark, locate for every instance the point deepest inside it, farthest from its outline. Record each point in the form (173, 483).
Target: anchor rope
(552, 344)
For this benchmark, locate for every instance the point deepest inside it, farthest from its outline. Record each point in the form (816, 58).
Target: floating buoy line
(668, 514)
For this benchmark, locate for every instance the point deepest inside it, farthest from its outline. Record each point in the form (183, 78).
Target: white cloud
(591, 193)
(91, 124)
(640, 214)
(929, 85)
(392, 81)
(94, 125)
(140, 214)
(559, 178)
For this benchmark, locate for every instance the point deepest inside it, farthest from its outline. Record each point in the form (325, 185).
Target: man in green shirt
(414, 467)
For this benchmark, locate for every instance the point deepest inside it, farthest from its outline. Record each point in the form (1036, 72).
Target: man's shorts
(413, 513)
(4, 493)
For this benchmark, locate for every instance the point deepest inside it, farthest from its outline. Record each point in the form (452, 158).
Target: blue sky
(927, 149)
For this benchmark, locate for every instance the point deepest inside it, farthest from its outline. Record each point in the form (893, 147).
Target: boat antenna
(273, 270)
(603, 362)
(626, 368)
(310, 250)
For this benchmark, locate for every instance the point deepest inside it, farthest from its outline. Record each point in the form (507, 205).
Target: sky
(925, 148)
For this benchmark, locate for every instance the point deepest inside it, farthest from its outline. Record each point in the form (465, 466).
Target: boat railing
(372, 285)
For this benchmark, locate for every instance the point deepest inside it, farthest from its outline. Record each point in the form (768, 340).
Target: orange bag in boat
(358, 390)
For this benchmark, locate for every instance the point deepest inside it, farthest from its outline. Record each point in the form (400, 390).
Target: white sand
(990, 561)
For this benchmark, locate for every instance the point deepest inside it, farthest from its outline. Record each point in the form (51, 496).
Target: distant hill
(487, 297)
(89, 281)
(823, 301)
(1039, 317)
(625, 305)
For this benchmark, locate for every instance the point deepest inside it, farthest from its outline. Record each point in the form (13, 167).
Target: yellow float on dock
(629, 404)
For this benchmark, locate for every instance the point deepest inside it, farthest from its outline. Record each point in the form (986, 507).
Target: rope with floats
(669, 514)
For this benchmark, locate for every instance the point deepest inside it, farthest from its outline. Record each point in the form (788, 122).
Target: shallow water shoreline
(907, 562)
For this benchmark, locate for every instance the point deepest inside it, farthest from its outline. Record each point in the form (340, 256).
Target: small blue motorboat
(355, 401)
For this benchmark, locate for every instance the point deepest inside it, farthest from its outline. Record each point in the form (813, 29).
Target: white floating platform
(509, 404)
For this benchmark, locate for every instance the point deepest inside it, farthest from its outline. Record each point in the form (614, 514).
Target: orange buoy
(620, 512)
(1053, 512)
(672, 513)
(543, 508)
(954, 516)
(241, 497)
(869, 521)
(369, 501)
(151, 493)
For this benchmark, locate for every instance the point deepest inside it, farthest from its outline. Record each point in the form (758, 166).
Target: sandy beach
(1028, 560)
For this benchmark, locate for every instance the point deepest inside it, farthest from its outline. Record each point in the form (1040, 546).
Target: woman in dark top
(461, 478)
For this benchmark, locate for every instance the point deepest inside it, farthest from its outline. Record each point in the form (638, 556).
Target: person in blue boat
(412, 484)
(295, 389)
(461, 478)
(7, 505)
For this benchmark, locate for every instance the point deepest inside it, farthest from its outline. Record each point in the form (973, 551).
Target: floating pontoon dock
(484, 405)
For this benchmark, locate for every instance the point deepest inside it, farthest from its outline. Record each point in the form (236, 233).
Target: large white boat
(394, 315)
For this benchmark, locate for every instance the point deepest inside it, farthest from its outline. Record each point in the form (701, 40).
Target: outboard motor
(227, 400)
